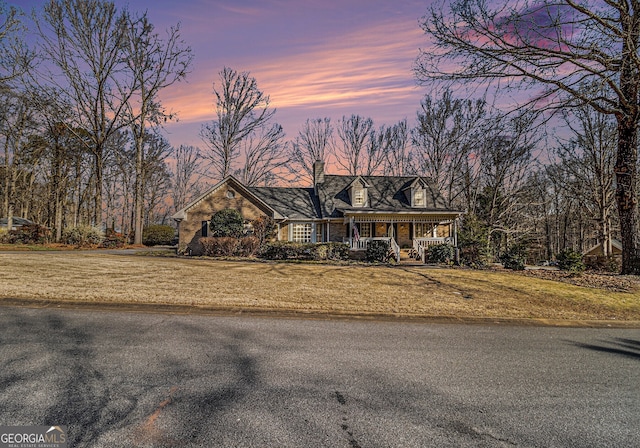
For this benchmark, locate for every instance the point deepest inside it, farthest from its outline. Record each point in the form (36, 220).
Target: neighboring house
(406, 211)
(598, 249)
(16, 222)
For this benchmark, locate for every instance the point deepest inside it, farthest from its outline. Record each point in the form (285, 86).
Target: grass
(90, 277)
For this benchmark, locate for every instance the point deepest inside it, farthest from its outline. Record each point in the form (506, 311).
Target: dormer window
(358, 192)
(418, 198)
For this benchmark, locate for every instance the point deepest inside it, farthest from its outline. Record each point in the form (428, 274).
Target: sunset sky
(314, 58)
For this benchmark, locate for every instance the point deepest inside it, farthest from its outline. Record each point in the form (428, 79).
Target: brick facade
(190, 229)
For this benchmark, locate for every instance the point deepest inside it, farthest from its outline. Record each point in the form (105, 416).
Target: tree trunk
(97, 212)
(626, 173)
(139, 191)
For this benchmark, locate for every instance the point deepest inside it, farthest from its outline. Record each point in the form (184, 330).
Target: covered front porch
(402, 231)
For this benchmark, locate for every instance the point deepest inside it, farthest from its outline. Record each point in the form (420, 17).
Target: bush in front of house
(82, 236)
(264, 228)
(27, 234)
(219, 246)
(287, 250)
(248, 246)
(571, 261)
(515, 257)
(377, 251)
(441, 253)
(158, 235)
(227, 223)
(226, 246)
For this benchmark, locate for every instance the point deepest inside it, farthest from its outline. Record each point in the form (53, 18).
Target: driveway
(161, 380)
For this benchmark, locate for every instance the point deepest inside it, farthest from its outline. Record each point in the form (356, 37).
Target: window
(365, 229)
(418, 198)
(423, 230)
(358, 198)
(301, 233)
(205, 228)
(231, 194)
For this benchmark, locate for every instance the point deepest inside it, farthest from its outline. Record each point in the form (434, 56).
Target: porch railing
(395, 248)
(420, 245)
(363, 243)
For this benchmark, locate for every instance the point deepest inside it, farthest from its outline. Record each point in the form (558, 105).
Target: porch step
(406, 258)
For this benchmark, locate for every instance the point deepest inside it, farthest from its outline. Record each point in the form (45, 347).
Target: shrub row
(29, 234)
(286, 250)
(229, 246)
(82, 236)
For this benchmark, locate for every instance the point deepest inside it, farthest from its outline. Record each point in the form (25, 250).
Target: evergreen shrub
(227, 223)
(377, 251)
(158, 235)
(571, 261)
(441, 253)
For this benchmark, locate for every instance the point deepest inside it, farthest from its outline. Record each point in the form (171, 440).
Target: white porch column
(455, 232)
(314, 236)
(351, 232)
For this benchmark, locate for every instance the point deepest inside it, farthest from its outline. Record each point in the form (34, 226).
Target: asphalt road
(159, 380)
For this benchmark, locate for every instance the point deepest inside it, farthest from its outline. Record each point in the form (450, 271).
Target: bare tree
(314, 142)
(396, 149)
(355, 134)
(242, 110)
(504, 162)
(586, 165)
(186, 175)
(84, 40)
(154, 64)
(16, 125)
(15, 56)
(445, 137)
(264, 154)
(561, 45)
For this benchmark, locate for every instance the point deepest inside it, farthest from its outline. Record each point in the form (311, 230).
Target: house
(406, 211)
(598, 249)
(16, 222)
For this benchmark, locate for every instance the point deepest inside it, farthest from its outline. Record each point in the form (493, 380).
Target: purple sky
(314, 58)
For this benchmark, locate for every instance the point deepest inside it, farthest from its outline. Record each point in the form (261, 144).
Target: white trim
(182, 213)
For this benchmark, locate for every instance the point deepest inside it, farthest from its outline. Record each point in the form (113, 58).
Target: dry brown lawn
(83, 277)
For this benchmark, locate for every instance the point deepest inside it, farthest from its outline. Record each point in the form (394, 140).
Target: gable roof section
(292, 203)
(386, 194)
(237, 185)
(17, 221)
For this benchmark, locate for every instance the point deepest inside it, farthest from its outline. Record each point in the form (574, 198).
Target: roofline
(401, 212)
(182, 213)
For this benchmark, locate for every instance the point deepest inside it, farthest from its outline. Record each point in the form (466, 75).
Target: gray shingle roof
(386, 194)
(16, 222)
(294, 203)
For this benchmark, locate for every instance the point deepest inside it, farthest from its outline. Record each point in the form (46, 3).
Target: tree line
(82, 141)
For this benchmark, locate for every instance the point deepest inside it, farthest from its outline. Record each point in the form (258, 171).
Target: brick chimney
(318, 174)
